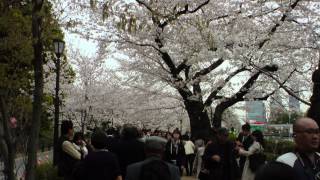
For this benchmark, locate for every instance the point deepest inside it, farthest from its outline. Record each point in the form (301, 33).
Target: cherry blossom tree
(210, 53)
(198, 48)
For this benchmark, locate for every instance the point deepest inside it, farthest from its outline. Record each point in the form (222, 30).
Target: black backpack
(155, 170)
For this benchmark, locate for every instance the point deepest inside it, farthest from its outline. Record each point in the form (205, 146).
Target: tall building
(256, 112)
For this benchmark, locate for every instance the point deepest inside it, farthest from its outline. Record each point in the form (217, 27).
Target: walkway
(188, 178)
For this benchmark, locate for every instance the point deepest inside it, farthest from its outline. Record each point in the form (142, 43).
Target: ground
(188, 178)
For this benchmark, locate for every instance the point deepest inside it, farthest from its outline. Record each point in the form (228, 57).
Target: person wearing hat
(153, 167)
(99, 164)
(219, 158)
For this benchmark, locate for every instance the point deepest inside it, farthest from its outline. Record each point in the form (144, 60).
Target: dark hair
(246, 127)
(129, 132)
(77, 136)
(276, 171)
(259, 136)
(222, 131)
(65, 127)
(99, 139)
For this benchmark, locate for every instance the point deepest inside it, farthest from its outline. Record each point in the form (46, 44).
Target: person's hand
(216, 158)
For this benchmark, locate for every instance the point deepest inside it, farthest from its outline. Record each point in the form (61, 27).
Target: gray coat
(133, 170)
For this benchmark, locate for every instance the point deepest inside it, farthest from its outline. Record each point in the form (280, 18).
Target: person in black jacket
(219, 158)
(100, 164)
(129, 149)
(175, 152)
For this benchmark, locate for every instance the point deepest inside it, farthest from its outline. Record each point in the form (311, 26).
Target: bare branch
(277, 25)
(282, 85)
(214, 93)
(182, 12)
(207, 70)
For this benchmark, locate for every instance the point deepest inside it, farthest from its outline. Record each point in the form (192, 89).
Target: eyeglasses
(309, 131)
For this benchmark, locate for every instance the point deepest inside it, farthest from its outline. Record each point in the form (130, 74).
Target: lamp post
(58, 50)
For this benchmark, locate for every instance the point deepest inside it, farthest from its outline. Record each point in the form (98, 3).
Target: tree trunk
(314, 110)
(38, 90)
(220, 108)
(6, 142)
(199, 120)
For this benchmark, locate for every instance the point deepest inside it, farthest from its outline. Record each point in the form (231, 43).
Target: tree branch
(214, 93)
(182, 12)
(277, 25)
(207, 70)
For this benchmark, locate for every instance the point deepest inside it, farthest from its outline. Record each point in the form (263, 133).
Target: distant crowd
(131, 154)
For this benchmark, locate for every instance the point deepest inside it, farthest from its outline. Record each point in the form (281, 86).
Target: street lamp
(58, 50)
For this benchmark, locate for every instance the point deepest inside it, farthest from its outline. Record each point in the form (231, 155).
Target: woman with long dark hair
(255, 148)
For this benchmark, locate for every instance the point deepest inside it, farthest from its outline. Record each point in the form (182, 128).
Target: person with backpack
(153, 167)
(254, 153)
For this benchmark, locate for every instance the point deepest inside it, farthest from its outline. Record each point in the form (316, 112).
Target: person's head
(258, 136)
(129, 132)
(222, 135)
(276, 171)
(155, 145)
(246, 129)
(306, 134)
(78, 138)
(99, 139)
(199, 143)
(176, 135)
(168, 136)
(67, 128)
(185, 137)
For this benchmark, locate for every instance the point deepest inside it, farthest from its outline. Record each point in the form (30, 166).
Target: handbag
(256, 160)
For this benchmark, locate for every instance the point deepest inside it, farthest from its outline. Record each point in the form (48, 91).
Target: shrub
(47, 171)
(274, 148)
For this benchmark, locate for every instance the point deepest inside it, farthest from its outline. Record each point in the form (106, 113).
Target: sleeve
(117, 171)
(209, 151)
(193, 146)
(175, 173)
(69, 148)
(252, 149)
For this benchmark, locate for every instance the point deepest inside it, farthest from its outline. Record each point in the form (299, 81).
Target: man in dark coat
(175, 152)
(153, 168)
(100, 164)
(129, 149)
(219, 158)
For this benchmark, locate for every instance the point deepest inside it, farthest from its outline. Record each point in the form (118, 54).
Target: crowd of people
(131, 154)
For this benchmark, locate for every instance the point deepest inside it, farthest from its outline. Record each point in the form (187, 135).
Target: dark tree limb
(182, 12)
(207, 70)
(239, 96)
(277, 25)
(213, 94)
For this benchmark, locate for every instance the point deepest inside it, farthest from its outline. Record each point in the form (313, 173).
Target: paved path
(188, 178)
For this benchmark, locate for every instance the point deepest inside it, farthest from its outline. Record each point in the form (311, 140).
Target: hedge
(274, 148)
(47, 171)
